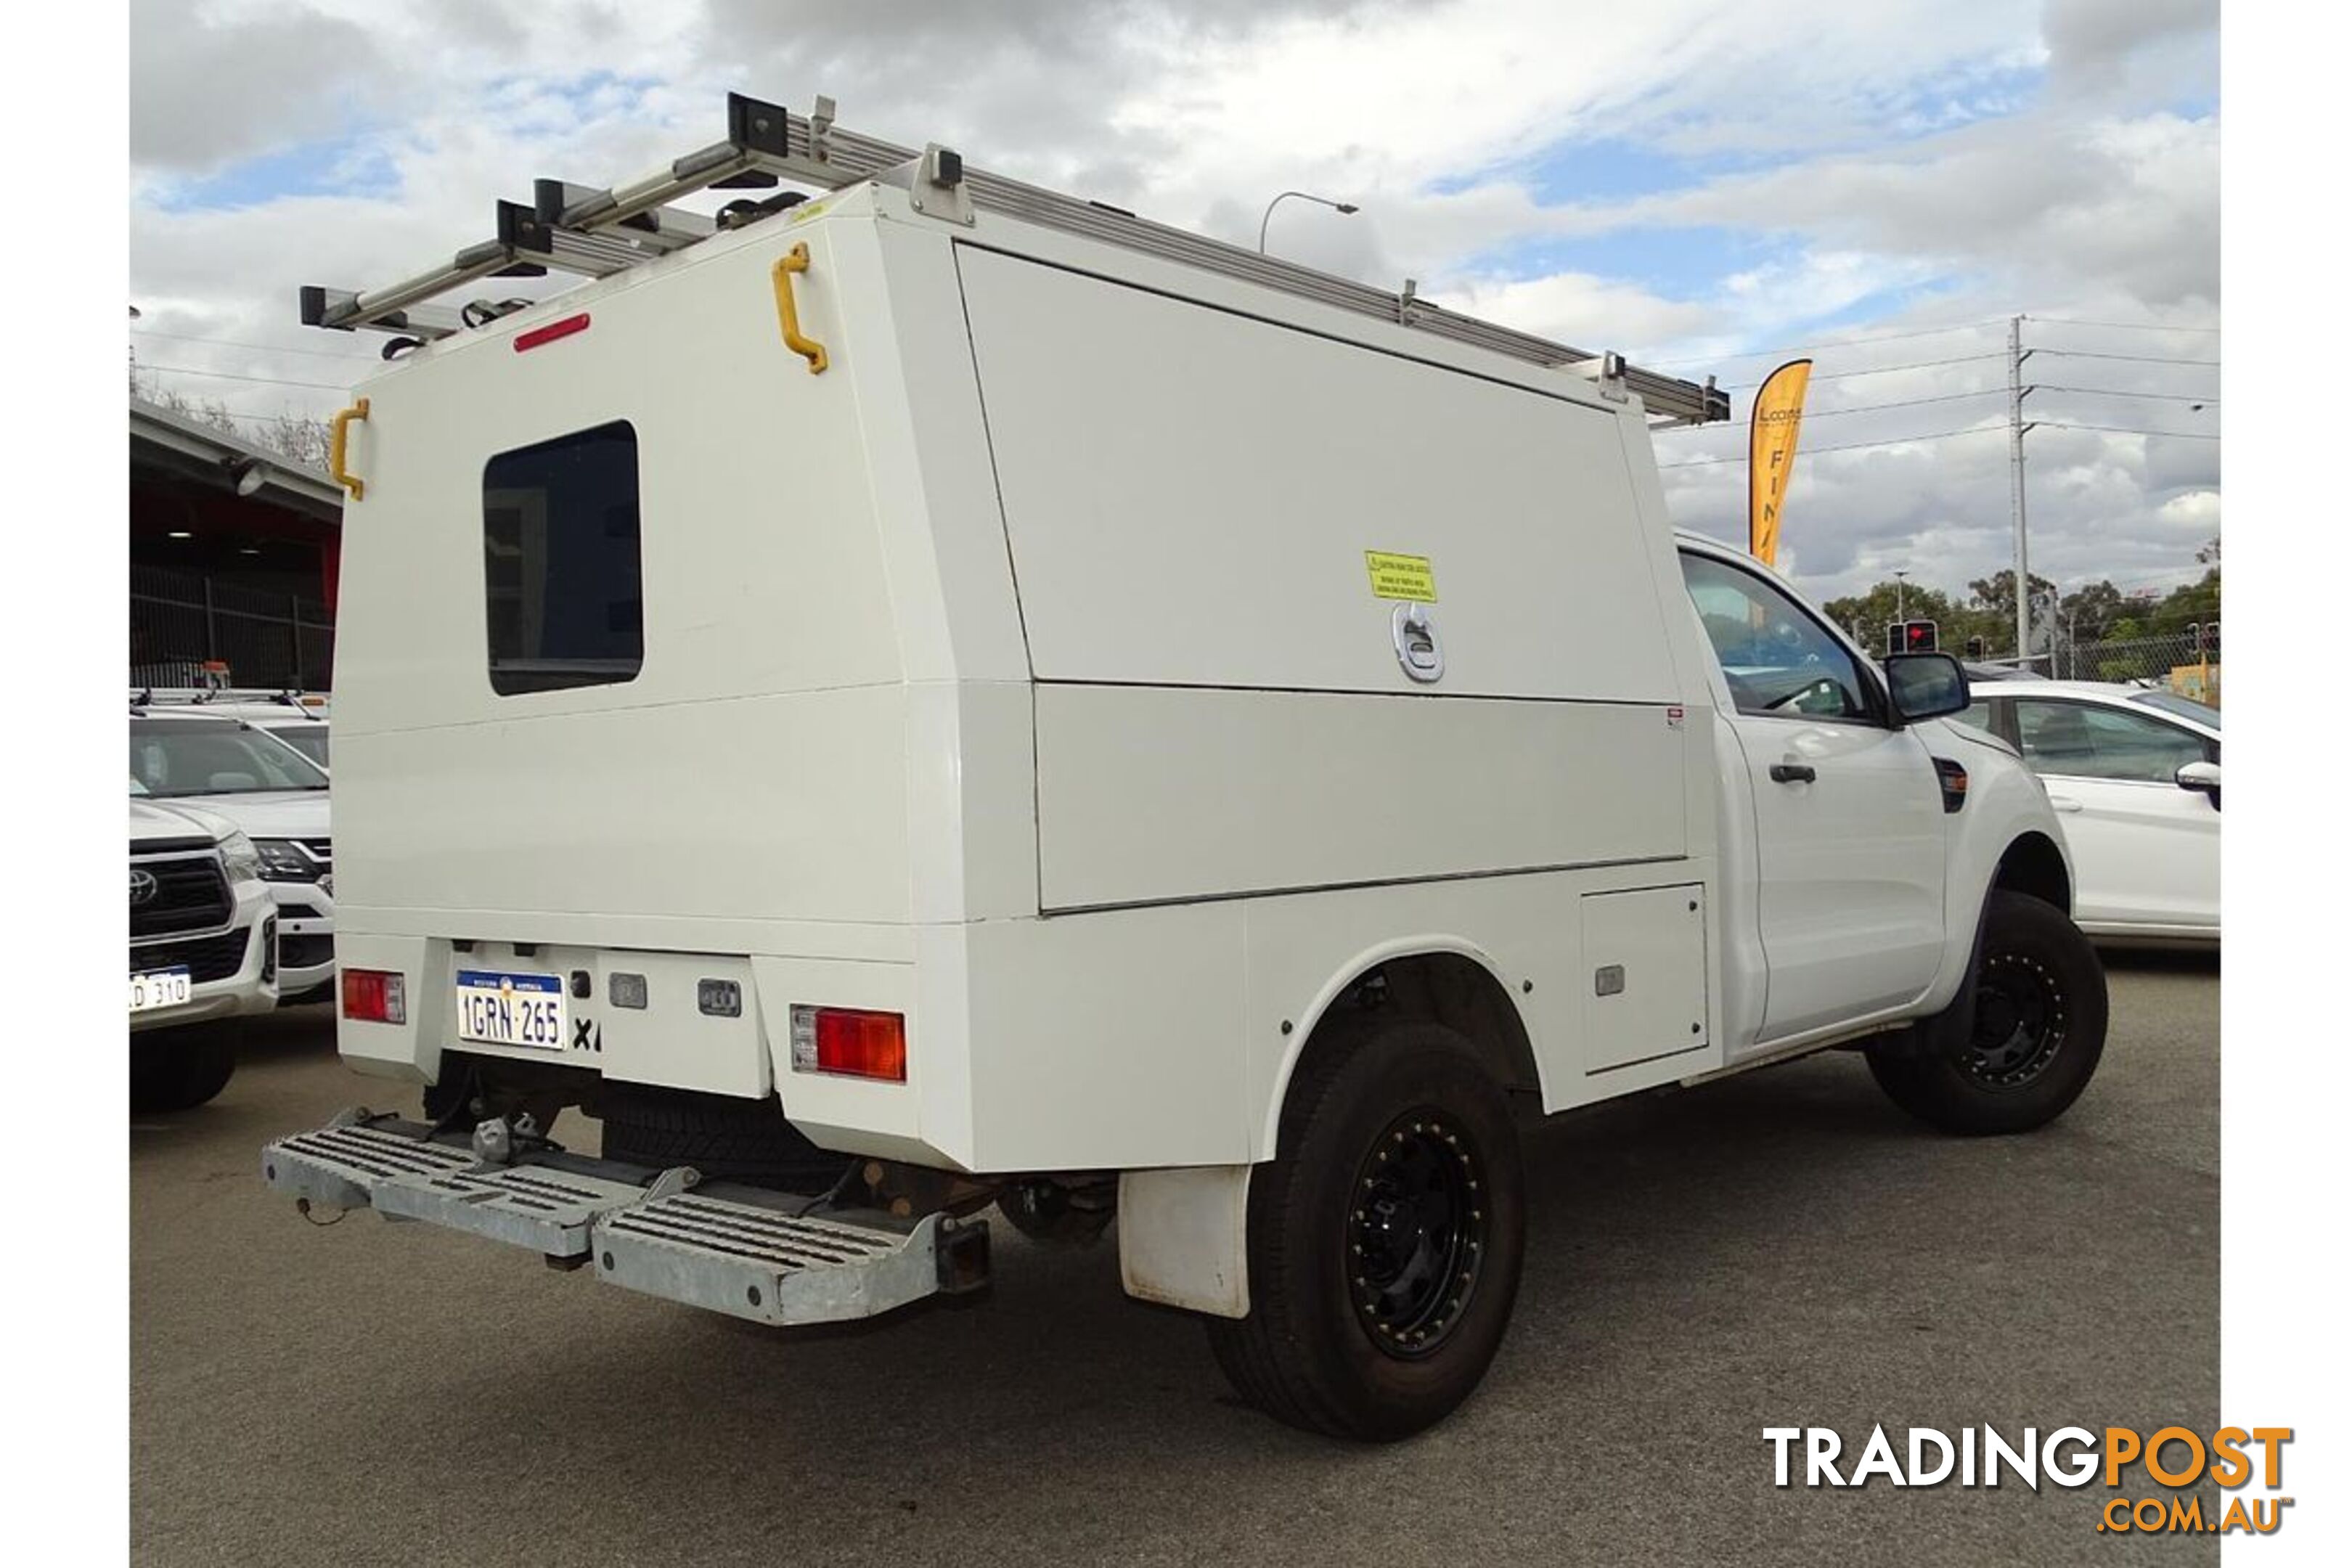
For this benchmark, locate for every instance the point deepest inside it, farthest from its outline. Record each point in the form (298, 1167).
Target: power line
(1821, 348)
(232, 376)
(2124, 326)
(262, 347)
(1848, 447)
(1881, 370)
(2135, 359)
(2115, 392)
(1736, 427)
(2124, 430)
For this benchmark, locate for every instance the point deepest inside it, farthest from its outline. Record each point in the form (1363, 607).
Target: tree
(2210, 552)
(2089, 610)
(1997, 595)
(297, 438)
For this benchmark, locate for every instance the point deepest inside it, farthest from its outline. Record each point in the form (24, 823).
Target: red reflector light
(375, 996)
(844, 1040)
(525, 342)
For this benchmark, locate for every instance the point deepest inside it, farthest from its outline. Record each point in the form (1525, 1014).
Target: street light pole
(1899, 575)
(1342, 207)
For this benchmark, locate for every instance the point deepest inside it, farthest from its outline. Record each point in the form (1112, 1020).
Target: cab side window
(1778, 660)
(2075, 739)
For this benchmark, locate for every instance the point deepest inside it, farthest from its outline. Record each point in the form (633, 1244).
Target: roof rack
(596, 232)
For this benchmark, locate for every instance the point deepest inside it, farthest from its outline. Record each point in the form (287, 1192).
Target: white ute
(203, 952)
(946, 694)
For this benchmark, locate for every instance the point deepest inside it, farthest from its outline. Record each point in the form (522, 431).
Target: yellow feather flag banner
(1773, 452)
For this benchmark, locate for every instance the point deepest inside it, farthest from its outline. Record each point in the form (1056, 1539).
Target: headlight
(239, 858)
(283, 861)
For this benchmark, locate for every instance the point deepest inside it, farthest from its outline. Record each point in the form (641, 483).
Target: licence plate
(502, 1009)
(159, 988)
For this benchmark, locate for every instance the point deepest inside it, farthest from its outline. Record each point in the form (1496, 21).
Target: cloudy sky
(1710, 187)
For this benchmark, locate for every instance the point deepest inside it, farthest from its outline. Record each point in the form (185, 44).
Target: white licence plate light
(498, 1008)
(159, 988)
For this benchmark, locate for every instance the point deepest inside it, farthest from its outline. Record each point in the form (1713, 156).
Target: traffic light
(1976, 648)
(1918, 636)
(2201, 637)
(1894, 636)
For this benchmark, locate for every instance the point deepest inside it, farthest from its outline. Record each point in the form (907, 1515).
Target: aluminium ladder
(596, 233)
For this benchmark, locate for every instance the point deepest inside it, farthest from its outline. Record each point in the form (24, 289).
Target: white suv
(278, 797)
(203, 953)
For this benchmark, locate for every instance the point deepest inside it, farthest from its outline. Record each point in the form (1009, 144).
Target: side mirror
(1926, 685)
(2206, 776)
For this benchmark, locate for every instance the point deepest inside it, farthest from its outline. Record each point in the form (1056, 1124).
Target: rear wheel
(2040, 998)
(1384, 1240)
(181, 1069)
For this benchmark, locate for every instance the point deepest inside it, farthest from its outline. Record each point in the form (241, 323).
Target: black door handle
(1792, 772)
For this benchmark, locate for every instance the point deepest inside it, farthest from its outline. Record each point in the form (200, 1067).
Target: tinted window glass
(2079, 741)
(561, 562)
(1777, 659)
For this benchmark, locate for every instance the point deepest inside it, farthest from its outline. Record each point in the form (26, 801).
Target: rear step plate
(340, 1164)
(532, 1206)
(741, 1257)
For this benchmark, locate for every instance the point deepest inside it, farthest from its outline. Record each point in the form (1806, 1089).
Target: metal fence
(2157, 658)
(181, 621)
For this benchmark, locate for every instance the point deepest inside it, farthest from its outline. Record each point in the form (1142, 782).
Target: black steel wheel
(1385, 1237)
(1417, 1234)
(2021, 1022)
(2040, 1026)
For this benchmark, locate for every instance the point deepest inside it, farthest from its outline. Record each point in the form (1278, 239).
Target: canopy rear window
(562, 563)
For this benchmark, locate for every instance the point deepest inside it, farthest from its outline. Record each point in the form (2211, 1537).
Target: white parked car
(2135, 775)
(279, 796)
(202, 952)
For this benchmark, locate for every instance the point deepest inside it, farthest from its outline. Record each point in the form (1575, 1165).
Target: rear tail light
(375, 995)
(851, 1043)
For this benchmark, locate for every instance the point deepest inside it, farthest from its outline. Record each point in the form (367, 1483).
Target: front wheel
(1385, 1240)
(181, 1069)
(2041, 1023)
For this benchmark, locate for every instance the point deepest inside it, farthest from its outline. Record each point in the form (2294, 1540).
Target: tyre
(178, 1069)
(719, 1135)
(2041, 1023)
(1384, 1242)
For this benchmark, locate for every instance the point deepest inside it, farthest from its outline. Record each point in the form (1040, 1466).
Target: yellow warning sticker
(1401, 576)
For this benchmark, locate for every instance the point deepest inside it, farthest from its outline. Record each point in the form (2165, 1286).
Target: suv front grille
(205, 958)
(190, 894)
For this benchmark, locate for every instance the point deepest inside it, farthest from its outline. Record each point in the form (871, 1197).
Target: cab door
(1848, 811)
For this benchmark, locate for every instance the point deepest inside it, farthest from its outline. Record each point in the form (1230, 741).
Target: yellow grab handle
(795, 261)
(341, 430)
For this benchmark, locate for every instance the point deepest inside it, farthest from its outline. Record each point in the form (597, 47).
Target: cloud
(1665, 179)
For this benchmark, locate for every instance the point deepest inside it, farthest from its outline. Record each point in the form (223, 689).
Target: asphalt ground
(1781, 1249)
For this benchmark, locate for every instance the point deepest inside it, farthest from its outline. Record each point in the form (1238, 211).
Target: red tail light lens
(375, 995)
(849, 1042)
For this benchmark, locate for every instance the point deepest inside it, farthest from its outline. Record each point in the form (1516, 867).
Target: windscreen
(208, 756)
